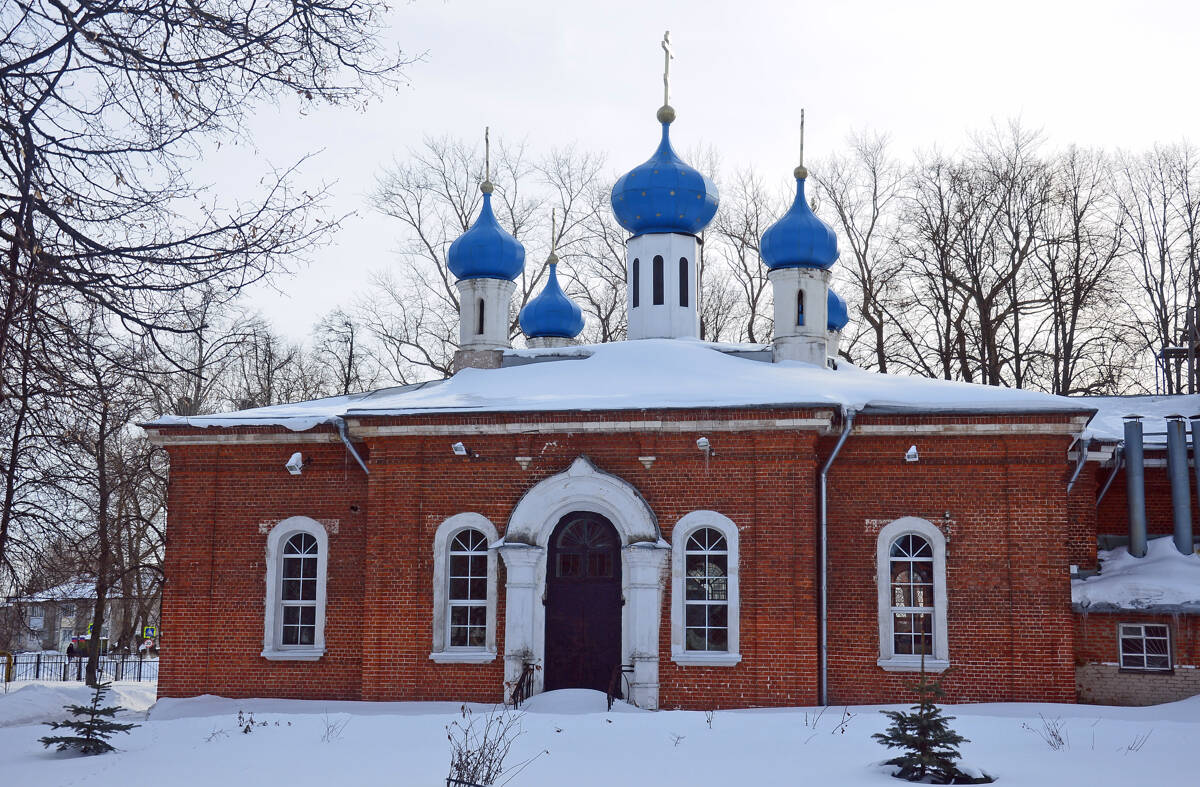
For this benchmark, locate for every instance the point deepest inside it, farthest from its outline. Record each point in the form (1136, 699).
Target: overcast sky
(1118, 75)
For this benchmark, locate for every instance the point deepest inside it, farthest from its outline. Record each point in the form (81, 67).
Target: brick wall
(1011, 635)
(1099, 678)
(1113, 511)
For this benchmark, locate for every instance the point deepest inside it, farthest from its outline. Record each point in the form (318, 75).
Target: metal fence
(49, 666)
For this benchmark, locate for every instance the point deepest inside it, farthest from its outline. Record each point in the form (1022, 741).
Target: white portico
(643, 556)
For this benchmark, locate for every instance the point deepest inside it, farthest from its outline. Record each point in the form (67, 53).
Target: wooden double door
(583, 603)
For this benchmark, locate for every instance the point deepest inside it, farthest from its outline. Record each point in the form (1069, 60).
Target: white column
(520, 562)
(496, 295)
(807, 342)
(645, 563)
(670, 319)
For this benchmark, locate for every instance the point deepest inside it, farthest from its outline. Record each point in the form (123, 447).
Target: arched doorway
(583, 603)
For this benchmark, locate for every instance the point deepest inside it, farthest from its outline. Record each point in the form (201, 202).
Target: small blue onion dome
(486, 251)
(799, 239)
(837, 316)
(664, 194)
(551, 312)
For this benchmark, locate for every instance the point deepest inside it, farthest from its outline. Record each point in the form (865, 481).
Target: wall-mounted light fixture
(459, 449)
(295, 464)
(911, 454)
(704, 445)
(647, 461)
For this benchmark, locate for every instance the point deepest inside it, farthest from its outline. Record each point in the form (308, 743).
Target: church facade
(680, 523)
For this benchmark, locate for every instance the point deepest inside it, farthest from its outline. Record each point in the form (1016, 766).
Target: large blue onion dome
(664, 194)
(837, 316)
(799, 239)
(551, 312)
(486, 251)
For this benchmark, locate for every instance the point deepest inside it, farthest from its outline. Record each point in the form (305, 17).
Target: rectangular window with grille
(1145, 647)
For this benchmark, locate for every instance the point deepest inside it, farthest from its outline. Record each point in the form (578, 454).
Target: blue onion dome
(799, 239)
(664, 194)
(551, 312)
(837, 316)
(486, 251)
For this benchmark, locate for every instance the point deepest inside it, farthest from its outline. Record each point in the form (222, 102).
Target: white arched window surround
(688, 524)
(888, 659)
(442, 652)
(273, 647)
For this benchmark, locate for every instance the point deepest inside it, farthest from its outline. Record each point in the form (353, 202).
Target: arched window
(683, 281)
(464, 590)
(637, 281)
(297, 557)
(911, 555)
(657, 273)
(704, 590)
(468, 589)
(479, 318)
(800, 307)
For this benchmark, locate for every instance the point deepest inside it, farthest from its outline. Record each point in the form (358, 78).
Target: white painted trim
(362, 430)
(883, 580)
(272, 620)
(972, 428)
(452, 526)
(686, 525)
(910, 664)
(225, 438)
(582, 487)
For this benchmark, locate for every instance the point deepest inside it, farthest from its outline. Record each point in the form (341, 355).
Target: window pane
(307, 635)
(1132, 645)
(718, 615)
(696, 639)
(291, 635)
(718, 639)
(478, 590)
(460, 588)
(460, 565)
(718, 590)
(476, 636)
(695, 590)
(694, 614)
(657, 273)
(291, 615)
(479, 565)
(291, 589)
(569, 565)
(459, 616)
(1158, 662)
(1155, 631)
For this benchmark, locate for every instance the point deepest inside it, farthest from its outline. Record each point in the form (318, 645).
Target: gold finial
(665, 113)
(486, 187)
(553, 258)
(800, 172)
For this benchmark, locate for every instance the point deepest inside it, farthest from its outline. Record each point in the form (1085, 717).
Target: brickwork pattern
(1099, 679)
(1009, 547)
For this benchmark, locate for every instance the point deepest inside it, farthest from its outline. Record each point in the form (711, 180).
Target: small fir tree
(930, 746)
(93, 726)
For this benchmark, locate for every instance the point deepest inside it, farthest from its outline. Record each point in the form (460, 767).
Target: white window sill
(909, 664)
(299, 654)
(463, 656)
(705, 659)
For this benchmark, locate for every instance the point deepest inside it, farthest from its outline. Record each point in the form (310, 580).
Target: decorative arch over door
(582, 488)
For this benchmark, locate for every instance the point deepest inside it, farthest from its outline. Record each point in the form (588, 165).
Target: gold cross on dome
(667, 57)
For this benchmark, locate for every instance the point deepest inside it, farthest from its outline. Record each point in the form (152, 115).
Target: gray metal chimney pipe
(1135, 480)
(1181, 485)
(1196, 451)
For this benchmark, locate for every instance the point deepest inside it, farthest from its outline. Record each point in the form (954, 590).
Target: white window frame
(688, 524)
(888, 659)
(442, 652)
(1121, 636)
(273, 647)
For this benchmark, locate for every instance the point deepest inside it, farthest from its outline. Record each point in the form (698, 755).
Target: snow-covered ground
(197, 742)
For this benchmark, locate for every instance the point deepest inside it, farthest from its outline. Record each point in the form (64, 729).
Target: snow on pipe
(1135, 480)
(1181, 485)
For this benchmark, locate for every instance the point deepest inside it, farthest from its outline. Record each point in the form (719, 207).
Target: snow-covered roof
(650, 374)
(1109, 424)
(80, 588)
(1162, 581)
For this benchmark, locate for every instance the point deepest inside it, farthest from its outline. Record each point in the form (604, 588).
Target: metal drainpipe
(1083, 449)
(823, 653)
(1118, 463)
(341, 428)
(1196, 451)
(1181, 485)
(1135, 481)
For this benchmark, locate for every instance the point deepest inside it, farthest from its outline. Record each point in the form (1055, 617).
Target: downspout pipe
(1135, 481)
(1196, 451)
(823, 653)
(1083, 451)
(1118, 463)
(340, 423)
(1181, 485)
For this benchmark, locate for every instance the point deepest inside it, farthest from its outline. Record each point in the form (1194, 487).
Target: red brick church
(688, 524)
